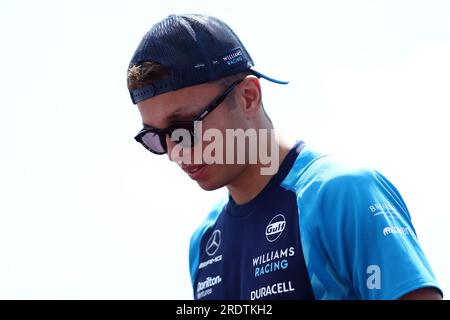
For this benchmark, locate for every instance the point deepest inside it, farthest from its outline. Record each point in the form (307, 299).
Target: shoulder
(332, 189)
(210, 220)
(322, 172)
(344, 176)
(194, 246)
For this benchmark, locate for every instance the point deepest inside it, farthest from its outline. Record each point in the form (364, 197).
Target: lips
(195, 172)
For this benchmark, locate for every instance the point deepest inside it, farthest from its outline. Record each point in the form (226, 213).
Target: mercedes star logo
(213, 243)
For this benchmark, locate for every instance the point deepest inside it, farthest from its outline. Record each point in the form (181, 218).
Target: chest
(254, 256)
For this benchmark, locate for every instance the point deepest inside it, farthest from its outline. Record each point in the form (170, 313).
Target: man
(312, 228)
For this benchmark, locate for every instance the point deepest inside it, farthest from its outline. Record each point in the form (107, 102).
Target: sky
(87, 213)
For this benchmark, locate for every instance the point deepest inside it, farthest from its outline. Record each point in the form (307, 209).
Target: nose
(177, 153)
(170, 147)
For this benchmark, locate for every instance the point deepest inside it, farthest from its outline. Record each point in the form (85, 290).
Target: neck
(251, 182)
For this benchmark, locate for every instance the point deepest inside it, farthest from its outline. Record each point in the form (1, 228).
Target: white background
(87, 213)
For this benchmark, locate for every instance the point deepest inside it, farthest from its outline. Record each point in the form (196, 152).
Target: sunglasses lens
(154, 142)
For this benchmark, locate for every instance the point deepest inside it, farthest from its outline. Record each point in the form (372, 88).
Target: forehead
(157, 110)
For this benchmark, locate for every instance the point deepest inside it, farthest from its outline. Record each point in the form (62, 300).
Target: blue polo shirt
(320, 229)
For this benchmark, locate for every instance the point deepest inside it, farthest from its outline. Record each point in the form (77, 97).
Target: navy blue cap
(194, 49)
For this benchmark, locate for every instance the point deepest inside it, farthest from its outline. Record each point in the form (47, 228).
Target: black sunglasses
(154, 139)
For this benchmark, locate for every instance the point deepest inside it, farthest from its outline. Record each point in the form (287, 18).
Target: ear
(250, 96)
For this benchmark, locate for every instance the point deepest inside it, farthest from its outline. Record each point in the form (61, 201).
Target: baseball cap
(195, 49)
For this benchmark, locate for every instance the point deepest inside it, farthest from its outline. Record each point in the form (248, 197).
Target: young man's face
(185, 104)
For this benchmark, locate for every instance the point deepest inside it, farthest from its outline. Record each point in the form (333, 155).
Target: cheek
(214, 135)
(221, 121)
(213, 138)
(226, 117)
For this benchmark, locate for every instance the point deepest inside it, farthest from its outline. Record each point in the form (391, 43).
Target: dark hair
(140, 75)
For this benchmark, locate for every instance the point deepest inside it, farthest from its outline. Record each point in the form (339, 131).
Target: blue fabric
(353, 220)
(353, 238)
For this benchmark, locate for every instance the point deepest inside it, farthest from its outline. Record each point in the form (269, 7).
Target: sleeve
(369, 238)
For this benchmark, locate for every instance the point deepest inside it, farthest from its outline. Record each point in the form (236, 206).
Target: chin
(210, 185)
(219, 177)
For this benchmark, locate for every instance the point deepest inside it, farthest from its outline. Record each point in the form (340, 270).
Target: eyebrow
(174, 116)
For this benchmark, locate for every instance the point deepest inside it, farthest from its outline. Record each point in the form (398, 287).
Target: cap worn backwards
(194, 49)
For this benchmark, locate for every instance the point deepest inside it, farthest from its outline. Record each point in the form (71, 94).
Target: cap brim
(260, 75)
